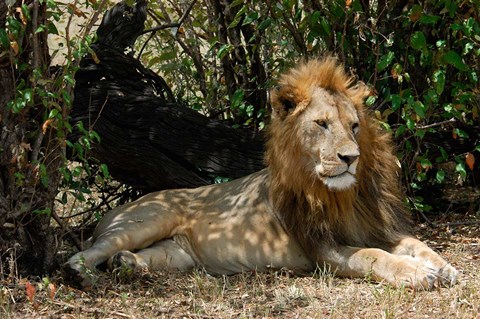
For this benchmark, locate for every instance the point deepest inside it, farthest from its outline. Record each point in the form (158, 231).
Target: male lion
(328, 197)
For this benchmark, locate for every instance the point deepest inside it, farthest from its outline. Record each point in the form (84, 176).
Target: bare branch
(176, 25)
(36, 49)
(452, 120)
(67, 230)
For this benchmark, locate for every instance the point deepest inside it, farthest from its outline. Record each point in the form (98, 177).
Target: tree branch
(36, 60)
(452, 120)
(177, 24)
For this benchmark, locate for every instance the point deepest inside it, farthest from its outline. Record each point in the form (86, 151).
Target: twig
(90, 310)
(36, 146)
(145, 44)
(177, 24)
(93, 19)
(460, 223)
(36, 61)
(91, 126)
(452, 120)
(66, 229)
(429, 222)
(94, 208)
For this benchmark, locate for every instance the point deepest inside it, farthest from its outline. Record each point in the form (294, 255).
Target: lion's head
(316, 109)
(333, 172)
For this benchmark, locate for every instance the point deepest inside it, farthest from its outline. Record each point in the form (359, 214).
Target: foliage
(421, 59)
(35, 118)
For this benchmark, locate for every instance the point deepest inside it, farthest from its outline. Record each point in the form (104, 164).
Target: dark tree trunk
(29, 153)
(149, 139)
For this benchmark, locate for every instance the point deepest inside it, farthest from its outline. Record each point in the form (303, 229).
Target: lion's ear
(359, 92)
(284, 101)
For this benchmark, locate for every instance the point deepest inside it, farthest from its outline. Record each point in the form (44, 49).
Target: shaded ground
(252, 295)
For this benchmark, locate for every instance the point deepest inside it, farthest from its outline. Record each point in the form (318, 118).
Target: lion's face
(327, 134)
(317, 118)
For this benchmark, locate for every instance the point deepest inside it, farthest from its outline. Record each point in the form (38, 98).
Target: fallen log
(149, 139)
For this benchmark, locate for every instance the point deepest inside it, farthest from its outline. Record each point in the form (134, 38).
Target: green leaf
(64, 199)
(40, 28)
(418, 40)
(238, 17)
(52, 29)
(251, 17)
(419, 108)
(439, 80)
(236, 3)
(220, 180)
(264, 24)
(460, 169)
(237, 98)
(461, 133)
(326, 26)
(385, 61)
(370, 100)
(420, 133)
(453, 58)
(67, 98)
(314, 18)
(429, 19)
(169, 55)
(396, 101)
(249, 110)
(26, 12)
(153, 61)
(425, 163)
(46, 211)
(4, 39)
(53, 113)
(400, 131)
(410, 124)
(443, 157)
(104, 169)
(440, 176)
(224, 50)
(28, 95)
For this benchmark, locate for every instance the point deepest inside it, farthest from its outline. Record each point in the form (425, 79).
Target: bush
(422, 60)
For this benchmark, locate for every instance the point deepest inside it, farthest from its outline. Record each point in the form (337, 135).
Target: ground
(253, 295)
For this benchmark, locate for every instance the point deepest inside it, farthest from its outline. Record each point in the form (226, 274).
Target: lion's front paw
(408, 272)
(421, 274)
(447, 275)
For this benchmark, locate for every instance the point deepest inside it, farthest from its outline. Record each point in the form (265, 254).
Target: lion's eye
(355, 128)
(322, 124)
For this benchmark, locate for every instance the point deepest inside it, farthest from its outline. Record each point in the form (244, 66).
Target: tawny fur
(330, 195)
(371, 213)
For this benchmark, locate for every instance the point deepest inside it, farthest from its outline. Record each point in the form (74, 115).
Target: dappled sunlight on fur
(299, 212)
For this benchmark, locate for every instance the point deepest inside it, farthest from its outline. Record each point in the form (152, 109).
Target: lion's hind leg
(165, 254)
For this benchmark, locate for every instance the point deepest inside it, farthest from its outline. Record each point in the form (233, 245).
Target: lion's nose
(348, 158)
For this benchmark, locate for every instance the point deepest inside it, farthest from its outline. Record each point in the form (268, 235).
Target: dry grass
(253, 295)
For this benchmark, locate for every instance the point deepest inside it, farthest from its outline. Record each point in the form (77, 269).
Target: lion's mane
(370, 214)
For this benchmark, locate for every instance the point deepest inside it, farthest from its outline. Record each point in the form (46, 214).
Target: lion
(329, 197)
